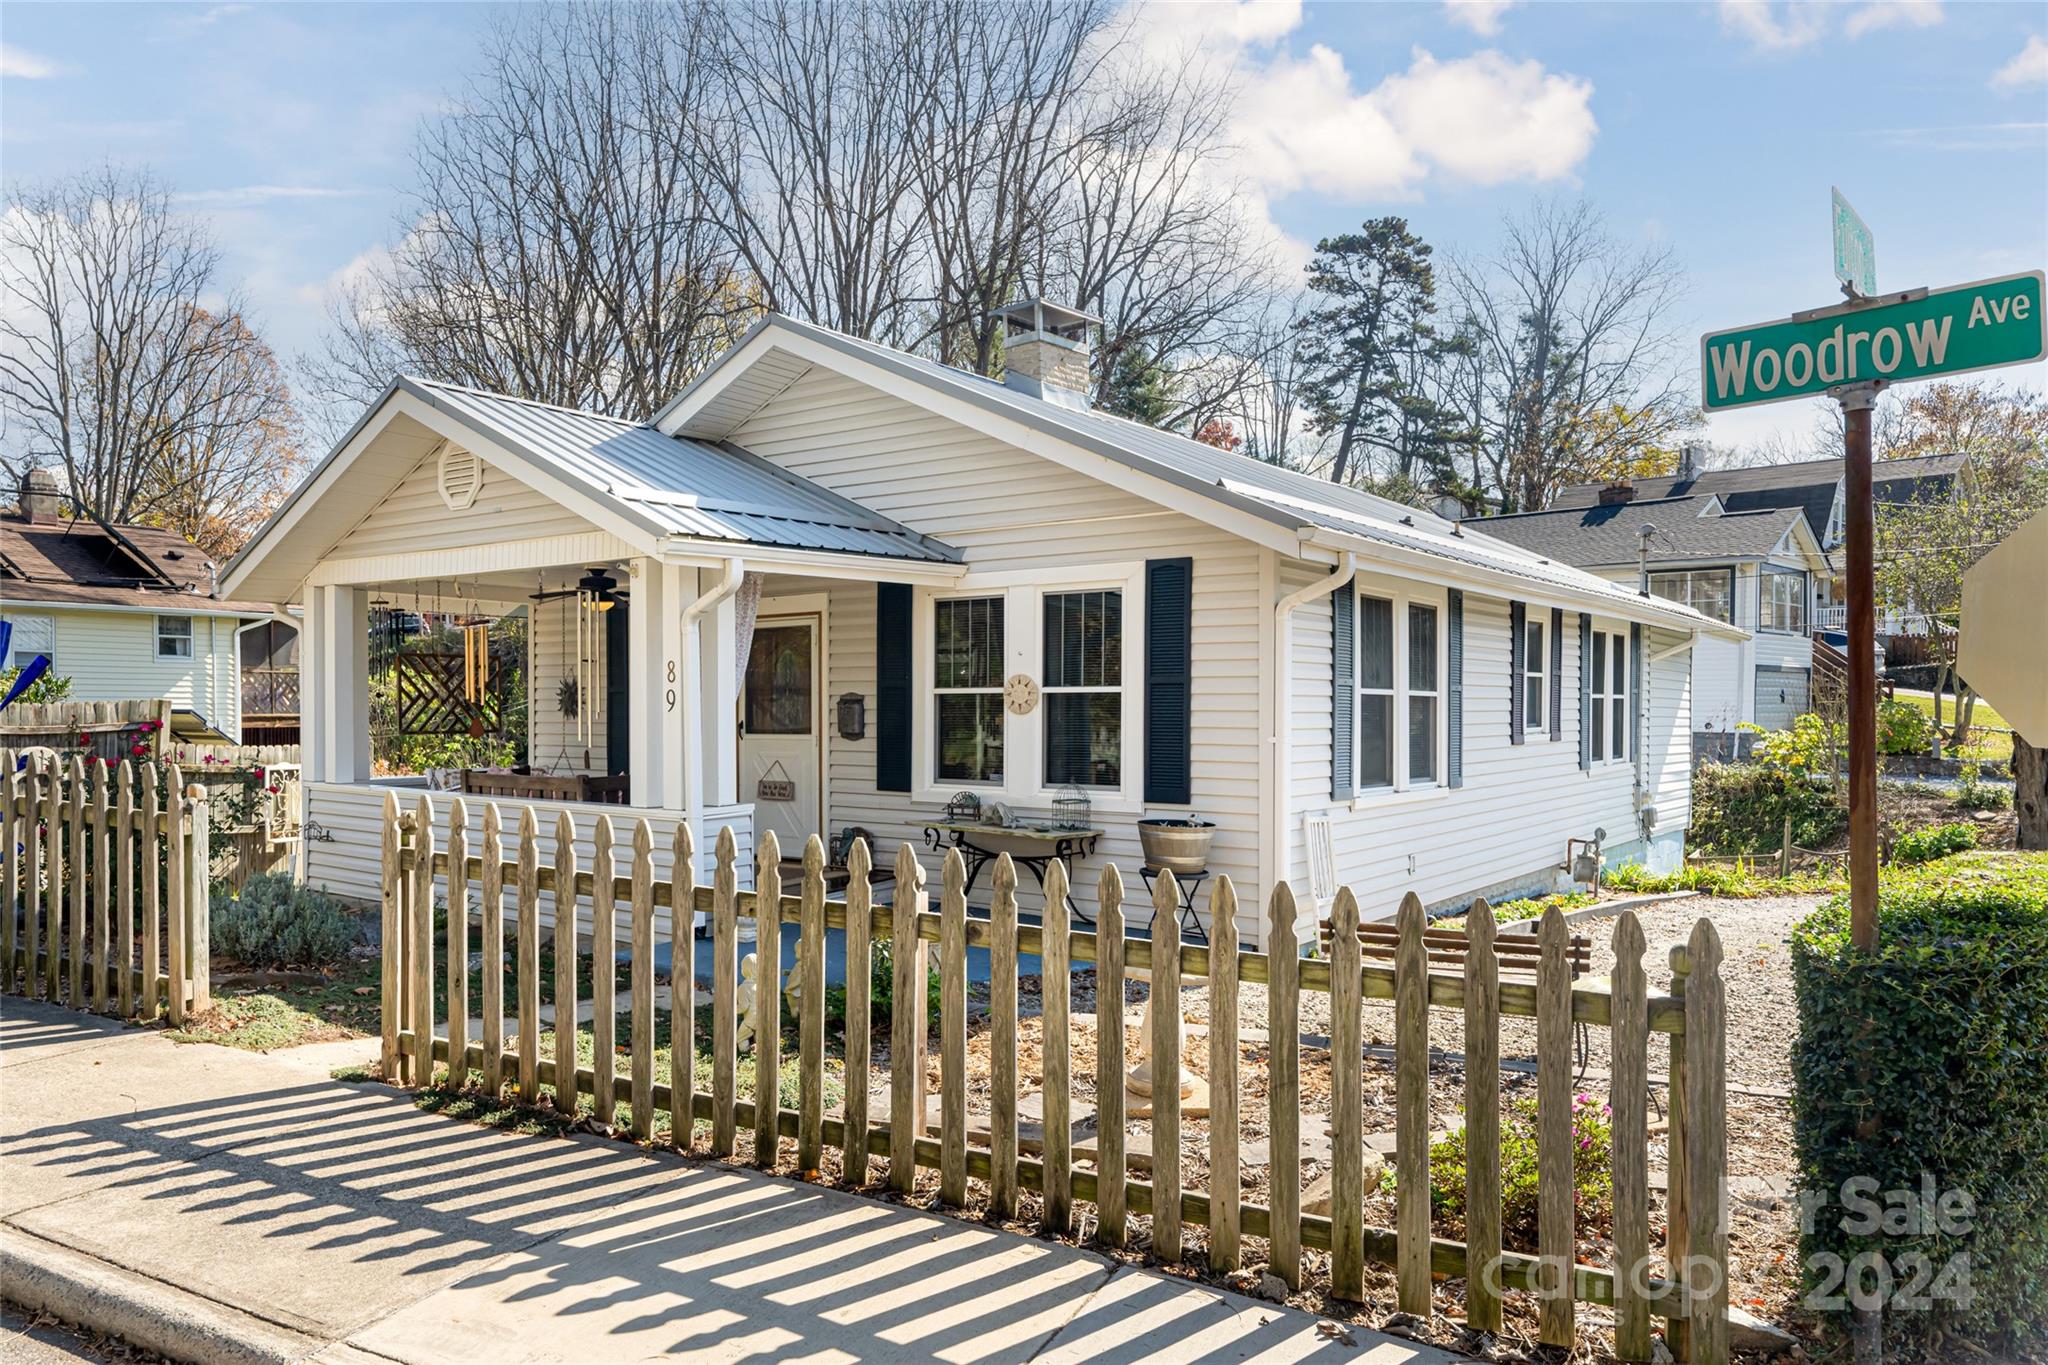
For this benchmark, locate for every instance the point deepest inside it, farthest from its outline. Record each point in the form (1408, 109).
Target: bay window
(1400, 720)
(1783, 600)
(1710, 592)
(967, 672)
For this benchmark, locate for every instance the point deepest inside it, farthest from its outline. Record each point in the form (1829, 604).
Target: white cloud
(1481, 16)
(1301, 125)
(1488, 120)
(249, 196)
(22, 64)
(1893, 14)
(1775, 27)
(2030, 67)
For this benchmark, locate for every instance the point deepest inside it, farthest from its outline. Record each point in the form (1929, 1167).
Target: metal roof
(684, 487)
(1285, 497)
(1688, 528)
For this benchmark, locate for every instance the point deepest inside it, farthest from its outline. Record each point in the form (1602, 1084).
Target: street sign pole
(1857, 401)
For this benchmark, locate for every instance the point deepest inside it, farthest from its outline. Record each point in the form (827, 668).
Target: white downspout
(1280, 836)
(693, 697)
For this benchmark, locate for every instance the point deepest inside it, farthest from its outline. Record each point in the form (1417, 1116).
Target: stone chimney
(1045, 351)
(1616, 492)
(39, 498)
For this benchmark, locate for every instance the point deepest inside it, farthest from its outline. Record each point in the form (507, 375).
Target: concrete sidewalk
(228, 1206)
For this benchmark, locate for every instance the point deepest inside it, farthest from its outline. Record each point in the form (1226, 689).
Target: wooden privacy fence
(1686, 1284)
(103, 888)
(110, 729)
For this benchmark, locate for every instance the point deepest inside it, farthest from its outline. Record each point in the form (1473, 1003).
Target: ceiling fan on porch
(597, 587)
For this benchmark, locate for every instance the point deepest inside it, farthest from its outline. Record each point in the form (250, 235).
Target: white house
(1756, 570)
(124, 612)
(854, 583)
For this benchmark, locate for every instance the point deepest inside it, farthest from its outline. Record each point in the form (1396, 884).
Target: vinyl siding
(111, 656)
(413, 517)
(555, 742)
(350, 863)
(1724, 671)
(1010, 510)
(1519, 804)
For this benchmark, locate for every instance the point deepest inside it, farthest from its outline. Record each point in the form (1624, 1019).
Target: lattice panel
(430, 700)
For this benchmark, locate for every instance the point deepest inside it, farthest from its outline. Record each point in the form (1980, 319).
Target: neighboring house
(1814, 487)
(124, 612)
(833, 585)
(1756, 570)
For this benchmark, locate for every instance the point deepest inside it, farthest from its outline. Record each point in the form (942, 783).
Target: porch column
(339, 631)
(654, 683)
(313, 700)
(719, 658)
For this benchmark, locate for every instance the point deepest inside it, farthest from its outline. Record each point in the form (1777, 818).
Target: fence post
(1785, 850)
(391, 939)
(1706, 1271)
(198, 904)
(1677, 1219)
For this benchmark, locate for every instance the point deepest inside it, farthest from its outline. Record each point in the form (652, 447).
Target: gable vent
(462, 477)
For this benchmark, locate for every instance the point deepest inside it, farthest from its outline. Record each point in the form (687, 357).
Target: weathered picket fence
(98, 729)
(1686, 1286)
(103, 888)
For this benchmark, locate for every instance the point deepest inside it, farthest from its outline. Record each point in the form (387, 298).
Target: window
(778, 687)
(33, 635)
(1783, 594)
(173, 637)
(1084, 676)
(1422, 694)
(1375, 692)
(1710, 592)
(1609, 687)
(1533, 663)
(1400, 693)
(967, 670)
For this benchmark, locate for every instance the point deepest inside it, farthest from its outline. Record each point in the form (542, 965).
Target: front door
(780, 708)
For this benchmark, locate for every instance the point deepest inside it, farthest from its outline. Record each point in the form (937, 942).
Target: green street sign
(1914, 335)
(1855, 248)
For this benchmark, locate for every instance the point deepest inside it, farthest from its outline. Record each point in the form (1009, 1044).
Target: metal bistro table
(1032, 846)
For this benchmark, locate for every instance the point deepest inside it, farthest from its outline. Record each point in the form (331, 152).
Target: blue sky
(1714, 128)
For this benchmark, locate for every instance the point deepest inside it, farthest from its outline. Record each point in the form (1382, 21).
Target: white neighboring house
(844, 583)
(1756, 570)
(125, 612)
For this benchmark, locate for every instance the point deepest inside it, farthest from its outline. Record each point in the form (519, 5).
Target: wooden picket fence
(110, 729)
(103, 888)
(1686, 1286)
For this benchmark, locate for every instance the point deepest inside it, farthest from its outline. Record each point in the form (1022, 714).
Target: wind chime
(476, 665)
(589, 639)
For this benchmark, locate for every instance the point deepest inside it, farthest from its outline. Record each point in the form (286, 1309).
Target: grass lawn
(1985, 741)
(259, 1018)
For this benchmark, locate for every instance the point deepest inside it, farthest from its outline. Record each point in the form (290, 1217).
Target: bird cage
(1071, 808)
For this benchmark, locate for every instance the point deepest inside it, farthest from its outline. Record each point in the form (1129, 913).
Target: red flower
(273, 791)
(84, 740)
(139, 750)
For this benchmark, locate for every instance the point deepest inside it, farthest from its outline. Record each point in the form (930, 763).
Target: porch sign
(1915, 335)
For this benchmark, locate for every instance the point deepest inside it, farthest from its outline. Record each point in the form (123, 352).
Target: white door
(781, 707)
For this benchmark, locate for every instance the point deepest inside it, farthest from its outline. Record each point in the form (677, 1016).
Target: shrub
(275, 922)
(1924, 1060)
(1972, 793)
(1938, 841)
(1512, 912)
(1741, 807)
(1592, 1170)
(1737, 880)
(1903, 728)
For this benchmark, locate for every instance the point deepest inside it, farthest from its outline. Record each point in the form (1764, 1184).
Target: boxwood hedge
(1923, 1069)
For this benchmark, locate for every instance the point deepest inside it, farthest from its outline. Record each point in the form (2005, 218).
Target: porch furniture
(837, 874)
(610, 791)
(1029, 846)
(1187, 884)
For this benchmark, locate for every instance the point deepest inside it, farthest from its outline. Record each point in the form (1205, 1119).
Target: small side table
(1188, 884)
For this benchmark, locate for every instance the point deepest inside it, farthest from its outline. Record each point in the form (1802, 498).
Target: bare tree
(111, 367)
(556, 244)
(1575, 343)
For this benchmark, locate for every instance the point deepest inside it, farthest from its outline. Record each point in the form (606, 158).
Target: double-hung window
(1084, 687)
(1400, 693)
(1609, 696)
(32, 635)
(173, 637)
(1534, 661)
(967, 673)
(1783, 600)
(1710, 592)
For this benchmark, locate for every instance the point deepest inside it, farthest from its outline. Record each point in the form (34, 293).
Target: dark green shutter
(1556, 674)
(1343, 693)
(1635, 695)
(1585, 692)
(1518, 622)
(1454, 684)
(894, 652)
(618, 690)
(1169, 674)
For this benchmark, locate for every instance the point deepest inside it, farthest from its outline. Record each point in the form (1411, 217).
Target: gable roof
(88, 563)
(1687, 529)
(1293, 506)
(1808, 485)
(629, 478)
